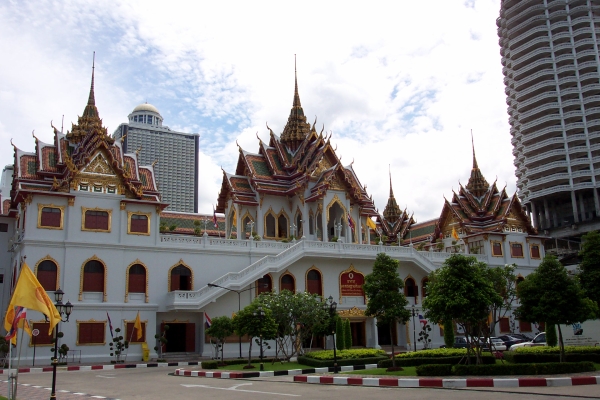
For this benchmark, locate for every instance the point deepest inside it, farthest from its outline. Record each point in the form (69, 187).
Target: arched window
(264, 284)
(410, 288)
(137, 279)
(181, 278)
(313, 282)
(47, 273)
(282, 226)
(93, 276)
(287, 283)
(311, 224)
(270, 225)
(424, 283)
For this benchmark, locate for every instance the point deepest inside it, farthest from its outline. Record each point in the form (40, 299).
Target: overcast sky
(398, 83)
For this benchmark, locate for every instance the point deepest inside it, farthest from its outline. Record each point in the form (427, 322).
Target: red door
(190, 338)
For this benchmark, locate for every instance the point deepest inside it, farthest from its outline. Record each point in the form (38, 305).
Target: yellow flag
(455, 234)
(371, 224)
(234, 217)
(30, 294)
(138, 326)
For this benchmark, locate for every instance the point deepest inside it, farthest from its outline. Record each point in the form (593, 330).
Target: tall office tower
(551, 65)
(174, 156)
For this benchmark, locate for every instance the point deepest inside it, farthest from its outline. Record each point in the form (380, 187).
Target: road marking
(235, 388)
(105, 376)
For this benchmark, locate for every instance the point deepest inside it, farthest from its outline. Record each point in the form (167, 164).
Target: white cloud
(396, 82)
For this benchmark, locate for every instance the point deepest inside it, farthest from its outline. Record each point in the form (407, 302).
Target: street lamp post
(239, 302)
(63, 309)
(414, 330)
(332, 311)
(261, 316)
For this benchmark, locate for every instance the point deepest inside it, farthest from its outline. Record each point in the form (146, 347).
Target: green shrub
(448, 334)
(433, 353)
(238, 361)
(434, 370)
(523, 369)
(556, 350)
(416, 361)
(524, 358)
(347, 334)
(316, 363)
(355, 353)
(339, 334)
(211, 364)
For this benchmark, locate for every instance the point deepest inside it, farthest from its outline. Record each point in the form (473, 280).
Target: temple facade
(87, 217)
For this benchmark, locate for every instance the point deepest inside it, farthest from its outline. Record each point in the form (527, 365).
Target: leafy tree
(221, 328)
(589, 268)
(347, 334)
(339, 334)
(449, 334)
(461, 291)
(549, 294)
(551, 339)
(298, 316)
(247, 323)
(387, 303)
(117, 346)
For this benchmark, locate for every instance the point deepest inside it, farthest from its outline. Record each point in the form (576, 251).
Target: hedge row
(345, 354)
(415, 361)
(523, 369)
(556, 350)
(444, 352)
(523, 358)
(434, 370)
(237, 361)
(340, 362)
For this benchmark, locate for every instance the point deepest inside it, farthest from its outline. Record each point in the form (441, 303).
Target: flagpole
(10, 373)
(18, 361)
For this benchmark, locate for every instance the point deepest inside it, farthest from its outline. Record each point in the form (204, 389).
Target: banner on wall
(351, 282)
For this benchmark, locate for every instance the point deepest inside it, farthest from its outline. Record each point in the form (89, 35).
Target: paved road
(157, 383)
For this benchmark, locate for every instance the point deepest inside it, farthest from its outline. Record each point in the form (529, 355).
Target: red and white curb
(261, 374)
(450, 383)
(99, 367)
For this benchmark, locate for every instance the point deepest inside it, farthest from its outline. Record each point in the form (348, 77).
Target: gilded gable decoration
(353, 312)
(337, 200)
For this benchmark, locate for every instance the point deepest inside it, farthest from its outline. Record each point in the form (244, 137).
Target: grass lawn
(267, 365)
(408, 371)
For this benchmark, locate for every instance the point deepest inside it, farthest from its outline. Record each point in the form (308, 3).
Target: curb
(261, 374)
(103, 367)
(450, 383)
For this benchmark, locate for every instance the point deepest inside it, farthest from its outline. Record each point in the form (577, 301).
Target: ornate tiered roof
(395, 223)
(301, 163)
(480, 207)
(85, 158)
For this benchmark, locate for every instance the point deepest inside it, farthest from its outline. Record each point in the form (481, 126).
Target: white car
(497, 344)
(539, 340)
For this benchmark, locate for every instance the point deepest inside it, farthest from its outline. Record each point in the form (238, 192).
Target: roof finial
(473, 146)
(91, 99)
(390, 172)
(296, 95)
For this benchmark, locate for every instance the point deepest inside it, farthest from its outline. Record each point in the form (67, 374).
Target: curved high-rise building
(551, 72)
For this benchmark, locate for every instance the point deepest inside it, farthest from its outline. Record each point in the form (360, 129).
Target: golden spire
(297, 128)
(90, 109)
(391, 212)
(89, 122)
(477, 183)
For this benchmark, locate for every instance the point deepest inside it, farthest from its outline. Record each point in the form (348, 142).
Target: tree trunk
(222, 348)
(561, 344)
(250, 353)
(392, 340)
